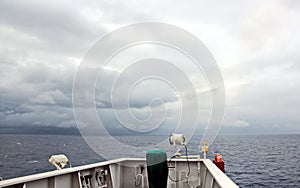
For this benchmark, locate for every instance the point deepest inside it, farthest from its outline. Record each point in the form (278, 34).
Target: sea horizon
(250, 160)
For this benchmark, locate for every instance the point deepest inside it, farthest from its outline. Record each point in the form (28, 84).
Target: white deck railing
(123, 173)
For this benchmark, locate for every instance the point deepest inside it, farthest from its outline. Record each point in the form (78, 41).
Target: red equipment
(218, 161)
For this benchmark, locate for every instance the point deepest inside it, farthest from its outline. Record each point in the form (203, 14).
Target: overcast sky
(255, 43)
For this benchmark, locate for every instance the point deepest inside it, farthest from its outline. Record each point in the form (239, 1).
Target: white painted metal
(126, 172)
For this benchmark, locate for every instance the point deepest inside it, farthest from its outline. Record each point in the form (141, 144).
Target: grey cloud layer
(255, 43)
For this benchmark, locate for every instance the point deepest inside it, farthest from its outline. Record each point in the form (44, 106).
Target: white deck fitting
(125, 173)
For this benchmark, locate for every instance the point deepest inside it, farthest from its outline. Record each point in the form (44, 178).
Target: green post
(157, 168)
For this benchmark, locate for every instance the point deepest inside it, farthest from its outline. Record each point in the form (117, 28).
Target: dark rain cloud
(255, 43)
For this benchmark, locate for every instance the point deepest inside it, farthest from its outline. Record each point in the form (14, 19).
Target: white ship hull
(125, 173)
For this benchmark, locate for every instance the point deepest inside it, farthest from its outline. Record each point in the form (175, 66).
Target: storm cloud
(255, 43)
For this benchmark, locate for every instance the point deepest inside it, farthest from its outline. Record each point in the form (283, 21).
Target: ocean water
(251, 161)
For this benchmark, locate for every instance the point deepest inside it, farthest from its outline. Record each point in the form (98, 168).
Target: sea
(250, 161)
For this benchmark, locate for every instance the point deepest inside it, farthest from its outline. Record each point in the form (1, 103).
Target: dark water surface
(251, 161)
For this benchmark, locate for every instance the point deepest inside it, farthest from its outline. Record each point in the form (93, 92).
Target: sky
(255, 44)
